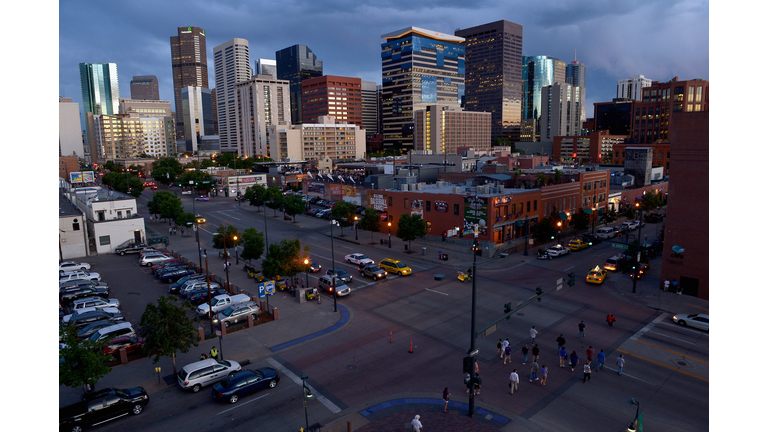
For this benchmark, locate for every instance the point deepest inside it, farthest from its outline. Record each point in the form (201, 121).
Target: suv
(237, 313)
(631, 225)
(95, 302)
(150, 260)
(80, 274)
(325, 283)
(373, 271)
(131, 248)
(615, 263)
(83, 318)
(395, 267)
(68, 295)
(108, 333)
(204, 372)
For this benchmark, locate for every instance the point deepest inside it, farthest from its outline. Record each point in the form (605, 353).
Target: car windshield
(227, 312)
(595, 274)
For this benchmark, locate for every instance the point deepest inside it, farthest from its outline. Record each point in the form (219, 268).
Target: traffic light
(571, 279)
(538, 293)
(552, 237)
(445, 235)
(507, 308)
(461, 233)
(467, 364)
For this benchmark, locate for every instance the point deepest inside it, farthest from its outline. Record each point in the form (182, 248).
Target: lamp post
(633, 425)
(306, 270)
(525, 245)
(559, 224)
(637, 257)
(208, 282)
(307, 395)
(355, 227)
(389, 235)
(333, 264)
(471, 410)
(197, 230)
(226, 256)
(594, 219)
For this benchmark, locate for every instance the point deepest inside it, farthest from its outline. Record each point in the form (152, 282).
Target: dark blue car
(172, 275)
(244, 382)
(201, 296)
(174, 287)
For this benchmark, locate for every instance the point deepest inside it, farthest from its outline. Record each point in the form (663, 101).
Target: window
(405, 203)
(101, 216)
(119, 214)
(104, 240)
(535, 202)
(528, 207)
(455, 209)
(390, 201)
(75, 225)
(429, 205)
(128, 213)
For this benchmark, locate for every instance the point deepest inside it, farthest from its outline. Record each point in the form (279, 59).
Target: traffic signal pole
(472, 377)
(520, 305)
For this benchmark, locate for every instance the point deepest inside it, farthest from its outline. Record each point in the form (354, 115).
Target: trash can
(423, 250)
(381, 241)
(406, 248)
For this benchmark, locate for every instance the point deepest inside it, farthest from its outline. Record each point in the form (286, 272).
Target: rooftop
(66, 208)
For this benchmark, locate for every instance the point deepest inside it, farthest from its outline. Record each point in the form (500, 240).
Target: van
(605, 233)
(222, 302)
(111, 332)
(614, 263)
(204, 372)
(325, 283)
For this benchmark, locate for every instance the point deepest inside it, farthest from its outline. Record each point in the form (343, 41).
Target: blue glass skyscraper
(100, 90)
(538, 72)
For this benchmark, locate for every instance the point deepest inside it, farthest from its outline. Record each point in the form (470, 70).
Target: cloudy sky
(614, 39)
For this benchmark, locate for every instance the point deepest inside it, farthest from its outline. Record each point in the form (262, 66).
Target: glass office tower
(538, 72)
(295, 64)
(100, 90)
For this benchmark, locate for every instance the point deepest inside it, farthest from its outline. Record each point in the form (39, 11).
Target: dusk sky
(657, 39)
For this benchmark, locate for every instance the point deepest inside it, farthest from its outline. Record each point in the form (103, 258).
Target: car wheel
(272, 384)
(399, 273)
(137, 409)
(77, 429)
(226, 324)
(233, 398)
(682, 323)
(82, 268)
(195, 388)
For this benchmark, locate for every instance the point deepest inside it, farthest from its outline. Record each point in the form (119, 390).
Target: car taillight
(220, 394)
(186, 383)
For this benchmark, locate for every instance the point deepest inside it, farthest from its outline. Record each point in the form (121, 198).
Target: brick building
(332, 95)
(597, 147)
(661, 154)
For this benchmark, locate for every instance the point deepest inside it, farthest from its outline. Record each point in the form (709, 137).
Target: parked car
(222, 302)
(80, 274)
(204, 372)
(358, 258)
(108, 333)
(557, 250)
(166, 264)
(84, 318)
(325, 284)
(131, 344)
(631, 225)
(131, 248)
(88, 330)
(373, 271)
(642, 267)
(91, 302)
(153, 251)
(71, 266)
(393, 266)
(245, 382)
(653, 218)
(174, 287)
(591, 239)
(341, 275)
(192, 285)
(174, 274)
(102, 406)
(699, 321)
(200, 296)
(615, 263)
(82, 282)
(150, 260)
(605, 233)
(68, 295)
(237, 313)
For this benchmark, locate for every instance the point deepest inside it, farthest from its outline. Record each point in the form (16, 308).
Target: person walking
(600, 360)
(534, 372)
(587, 373)
(544, 372)
(534, 332)
(504, 345)
(563, 356)
(610, 320)
(524, 352)
(574, 360)
(620, 363)
(416, 424)
(590, 353)
(560, 342)
(666, 285)
(500, 352)
(535, 352)
(479, 382)
(582, 326)
(174, 230)
(508, 355)
(214, 353)
(446, 399)
(170, 230)
(514, 381)
(182, 232)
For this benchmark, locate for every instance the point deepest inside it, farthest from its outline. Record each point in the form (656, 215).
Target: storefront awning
(563, 216)
(587, 210)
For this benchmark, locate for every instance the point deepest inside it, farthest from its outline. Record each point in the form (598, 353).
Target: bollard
(123, 356)
(410, 351)
(390, 337)
(201, 333)
(274, 313)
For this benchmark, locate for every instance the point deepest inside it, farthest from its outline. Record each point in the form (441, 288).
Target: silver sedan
(699, 321)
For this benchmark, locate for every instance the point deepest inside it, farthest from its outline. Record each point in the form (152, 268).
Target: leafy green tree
(167, 328)
(558, 176)
(273, 198)
(165, 170)
(344, 212)
(207, 163)
(253, 244)
(185, 219)
(113, 166)
(165, 204)
(82, 360)
(581, 219)
(411, 227)
(370, 221)
(230, 232)
(285, 259)
(199, 178)
(630, 212)
(293, 205)
(547, 228)
(541, 178)
(256, 196)
(609, 216)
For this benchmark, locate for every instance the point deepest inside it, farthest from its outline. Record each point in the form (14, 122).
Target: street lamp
(525, 245)
(208, 282)
(637, 257)
(389, 236)
(226, 255)
(333, 264)
(307, 395)
(306, 270)
(594, 219)
(634, 424)
(475, 245)
(559, 224)
(355, 227)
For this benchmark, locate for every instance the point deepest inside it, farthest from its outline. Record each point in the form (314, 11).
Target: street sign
(269, 287)
(620, 246)
(473, 352)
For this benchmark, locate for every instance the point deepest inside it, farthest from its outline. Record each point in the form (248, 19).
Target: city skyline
(604, 37)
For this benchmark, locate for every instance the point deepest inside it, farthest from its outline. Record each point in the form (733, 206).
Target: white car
(150, 260)
(90, 304)
(80, 274)
(73, 266)
(631, 225)
(557, 250)
(358, 259)
(699, 321)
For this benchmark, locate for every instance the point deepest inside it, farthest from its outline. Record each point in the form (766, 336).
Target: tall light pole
(306, 270)
(634, 426)
(197, 229)
(389, 235)
(333, 263)
(471, 410)
(208, 282)
(307, 395)
(355, 227)
(637, 257)
(594, 219)
(559, 224)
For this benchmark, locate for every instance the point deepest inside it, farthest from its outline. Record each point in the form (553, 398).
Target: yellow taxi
(199, 219)
(596, 275)
(577, 244)
(394, 266)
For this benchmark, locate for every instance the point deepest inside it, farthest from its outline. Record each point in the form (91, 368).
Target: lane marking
(244, 403)
(662, 334)
(569, 268)
(674, 352)
(648, 327)
(229, 216)
(678, 326)
(662, 365)
(626, 374)
(431, 290)
(292, 376)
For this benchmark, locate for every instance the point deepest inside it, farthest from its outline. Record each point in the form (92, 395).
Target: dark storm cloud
(615, 39)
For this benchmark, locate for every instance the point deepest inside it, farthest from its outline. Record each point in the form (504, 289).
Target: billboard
(81, 177)
(417, 208)
(377, 202)
(476, 212)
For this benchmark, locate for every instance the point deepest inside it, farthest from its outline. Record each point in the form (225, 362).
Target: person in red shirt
(590, 353)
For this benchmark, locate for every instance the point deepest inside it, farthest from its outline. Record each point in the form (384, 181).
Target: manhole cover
(682, 363)
(351, 367)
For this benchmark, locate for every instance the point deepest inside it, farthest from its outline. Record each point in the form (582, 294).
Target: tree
(285, 258)
(558, 176)
(82, 361)
(165, 204)
(253, 244)
(609, 216)
(293, 205)
(411, 227)
(542, 179)
(370, 221)
(135, 187)
(273, 198)
(581, 219)
(185, 219)
(165, 170)
(344, 212)
(630, 212)
(202, 180)
(546, 229)
(167, 328)
(256, 196)
(230, 232)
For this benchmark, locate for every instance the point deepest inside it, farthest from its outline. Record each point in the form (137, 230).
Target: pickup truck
(102, 406)
(131, 248)
(222, 302)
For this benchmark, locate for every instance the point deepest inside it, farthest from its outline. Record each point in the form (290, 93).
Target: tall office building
(100, 90)
(370, 100)
(332, 95)
(260, 103)
(538, 72)
(442, 129)
(265, 67)
(70, 132)
(632, 88)
(232, 64)
(295, 64)
(494, 74)
(316, 141)
(560, 111)
(576, 75)
(197, 111)
(189, 60)
(145, 87)
(418, 68)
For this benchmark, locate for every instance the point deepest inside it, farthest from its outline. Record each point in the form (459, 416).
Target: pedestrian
(582, 326)
(508, 355)
(174, 230)
(590, 353)
(560, 342)
(535, 352)
(544, 371)
(214, 353)
(524, 352)
(170, 230)
(574, 360)
(467, 377)
(505, 344)
(446, 399)
(610, 319)
(600, 360)
(203, 356)
(534, 332)
(500, 352)
(477, 367)
(620, 363)
(514, 381)
(416, 424)
(478, 382)
(534, 371)
(182, 232)
(666, 285)
(563, 356)
(587, 373)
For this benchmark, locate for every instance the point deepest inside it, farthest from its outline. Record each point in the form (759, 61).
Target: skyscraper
(560, 111)
(70, 132)
(232, 63)
(189, 61)
(197, 110)
(100, 90)
(538, 72)
(265, 67)
(370, 102)
(494, 74)
(332, 95)
(295, 64)
(261, 102)
(145, 87)
(418, 68)
(576, 75)
(632, 88)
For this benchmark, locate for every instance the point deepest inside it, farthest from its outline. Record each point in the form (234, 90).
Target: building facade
(189, 61)
(340, 97)
(70, 132)
(130, 136)
(197, 112)
(662, 154)
(632, 87)
(560, 111)
(615, 116)
(538, 72)
(493, 74)
(369, 98)
(296, 64)
(100, 89)
(651, 116)
(146, 108)
(315, 141)
(442, 129)
(597, 147)
(145, 87)
(418, 68)
(576, 75)
(260, 103)
(232, 64)
(265, 67)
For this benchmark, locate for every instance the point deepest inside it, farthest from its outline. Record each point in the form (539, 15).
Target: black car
(67, 295)
(341, 274)
(653, 218)
(83, 319)
(175, 274)
(174, 287)
(244, 382)
(88, 330)
(314, 267)
(591, 239)
(83, 282)
(131, 248)
(102, 406)
(200, 296)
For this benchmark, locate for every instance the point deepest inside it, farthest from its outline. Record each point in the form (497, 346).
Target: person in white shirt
(504, 346)
(514, 381)
(416, 424)
(534, 332)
